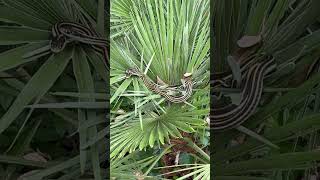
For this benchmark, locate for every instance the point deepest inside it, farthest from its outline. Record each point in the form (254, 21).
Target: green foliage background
(54, 109)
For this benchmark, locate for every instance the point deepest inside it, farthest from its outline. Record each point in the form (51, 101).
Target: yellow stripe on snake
(156, 88)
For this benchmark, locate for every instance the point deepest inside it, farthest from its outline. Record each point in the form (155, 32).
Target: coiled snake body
(187, 78)
(231, 115)
(66, 32)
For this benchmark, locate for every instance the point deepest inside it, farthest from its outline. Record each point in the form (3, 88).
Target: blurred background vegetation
(52, 106)
(281, 141)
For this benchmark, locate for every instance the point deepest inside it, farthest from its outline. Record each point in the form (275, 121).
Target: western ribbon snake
(67, 32)
(231, 115)
(187, 86)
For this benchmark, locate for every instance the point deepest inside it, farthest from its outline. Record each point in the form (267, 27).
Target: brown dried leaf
(248, 41)
(35, 157)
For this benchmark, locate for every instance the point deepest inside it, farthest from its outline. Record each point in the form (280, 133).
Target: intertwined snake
(187, 78)
(67, 32)
(231, 115)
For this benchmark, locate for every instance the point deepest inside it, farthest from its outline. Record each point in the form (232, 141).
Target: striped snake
(67, 32)
(187, 78)
(231, 115)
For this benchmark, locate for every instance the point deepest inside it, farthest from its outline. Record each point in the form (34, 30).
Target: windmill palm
(164, 40)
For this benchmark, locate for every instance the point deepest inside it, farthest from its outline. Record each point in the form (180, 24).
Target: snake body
(156, 88)
(66, 32)
(231, 115)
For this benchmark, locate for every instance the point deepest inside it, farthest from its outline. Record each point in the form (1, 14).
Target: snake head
(58, 43)
(133, 72)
